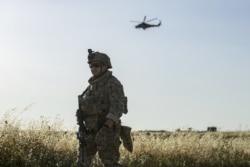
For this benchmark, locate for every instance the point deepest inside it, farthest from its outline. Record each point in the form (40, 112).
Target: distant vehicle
(144, 24)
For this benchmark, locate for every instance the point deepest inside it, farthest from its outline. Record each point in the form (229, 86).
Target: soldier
(102, 105)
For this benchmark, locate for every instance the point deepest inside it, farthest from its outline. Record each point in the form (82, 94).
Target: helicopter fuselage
(145, 25)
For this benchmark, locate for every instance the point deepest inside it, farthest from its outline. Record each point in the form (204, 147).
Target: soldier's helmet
(99, 57)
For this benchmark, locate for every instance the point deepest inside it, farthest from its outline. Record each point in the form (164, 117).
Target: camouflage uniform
(106, 101)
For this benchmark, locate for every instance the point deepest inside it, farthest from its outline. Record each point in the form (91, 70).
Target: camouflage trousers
(104, 142)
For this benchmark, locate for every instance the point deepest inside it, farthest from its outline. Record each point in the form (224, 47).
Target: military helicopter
(144, 25)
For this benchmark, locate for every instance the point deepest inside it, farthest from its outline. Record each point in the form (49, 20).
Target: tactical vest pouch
(91, 122)
(92, 110)
(124, 105)
(90, 116)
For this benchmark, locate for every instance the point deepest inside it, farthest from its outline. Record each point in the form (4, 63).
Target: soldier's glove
(105, 135)
(126, 138)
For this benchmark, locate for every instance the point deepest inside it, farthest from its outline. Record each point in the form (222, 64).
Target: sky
(191, 72)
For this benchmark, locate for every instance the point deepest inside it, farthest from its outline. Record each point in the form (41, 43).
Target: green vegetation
(45, 144)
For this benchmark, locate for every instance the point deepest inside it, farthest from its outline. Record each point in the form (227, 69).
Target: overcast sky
(193, 71)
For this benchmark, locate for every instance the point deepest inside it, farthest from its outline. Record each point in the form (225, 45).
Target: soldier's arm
(116, 94)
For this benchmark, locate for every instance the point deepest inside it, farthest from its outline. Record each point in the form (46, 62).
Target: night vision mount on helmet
(98, 57)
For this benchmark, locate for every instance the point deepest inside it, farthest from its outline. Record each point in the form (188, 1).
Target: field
(45, 144)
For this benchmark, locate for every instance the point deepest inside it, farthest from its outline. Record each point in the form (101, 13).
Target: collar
(103, 78)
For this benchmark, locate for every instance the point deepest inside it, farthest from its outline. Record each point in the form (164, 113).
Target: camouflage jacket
(111, 101)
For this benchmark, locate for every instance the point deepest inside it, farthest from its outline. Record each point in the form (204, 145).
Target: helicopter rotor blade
(135, 21)
(144, 19)
(152, 19)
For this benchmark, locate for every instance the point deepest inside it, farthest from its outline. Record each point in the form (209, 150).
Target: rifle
(81, 132)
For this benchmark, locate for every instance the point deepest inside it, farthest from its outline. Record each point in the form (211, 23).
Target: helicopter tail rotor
(159, 24)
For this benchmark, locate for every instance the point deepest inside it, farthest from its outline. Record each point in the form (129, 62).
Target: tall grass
(190, 149)
(39, 143)
(45, 144)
